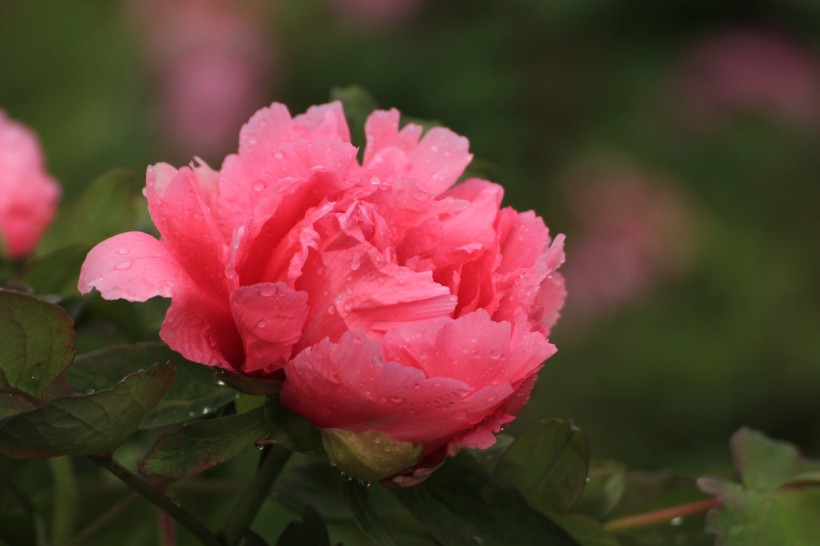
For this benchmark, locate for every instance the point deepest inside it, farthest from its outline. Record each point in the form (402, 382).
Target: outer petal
(269, 318)
(132, 266)
(349, 385)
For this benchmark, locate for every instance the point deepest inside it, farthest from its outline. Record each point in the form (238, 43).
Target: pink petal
(132, 266)
(359, 391)
(189, 231)
(472, 349)
(269, 318)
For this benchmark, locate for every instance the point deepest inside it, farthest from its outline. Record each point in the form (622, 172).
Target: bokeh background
(676, 143)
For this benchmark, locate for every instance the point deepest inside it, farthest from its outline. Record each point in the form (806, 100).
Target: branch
(660, 516)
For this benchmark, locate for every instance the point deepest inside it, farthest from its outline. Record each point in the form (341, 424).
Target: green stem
(185, 518)
(65, 500)
(104, 519)
(251, 501)
(661, 516)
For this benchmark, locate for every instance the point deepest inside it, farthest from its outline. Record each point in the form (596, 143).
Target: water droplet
(90, 391)
(677, 520)
(434, 148)
(220, 383)
(278, 155)
(261, 324)
(356, 262)
(363, 483)
(396, 399)
(331, 309)
(346, 477)
(206, 410)
(123, 251)
(252, 140)
(258, 185)
(124, 265)
(267, 291)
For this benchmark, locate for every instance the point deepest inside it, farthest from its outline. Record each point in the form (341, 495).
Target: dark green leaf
(250, 385)
(548, 464)
(195, 447)
(36, 339)
(85, 424)
(311, 531)
(604, 489)
(764, 463)
(366, 517)
(291, 431)
(773, 518)
(56, 272)
(195, 391)
(315, 484)
(585, 531)
(17, 530)
(104, 209)
(461, 504)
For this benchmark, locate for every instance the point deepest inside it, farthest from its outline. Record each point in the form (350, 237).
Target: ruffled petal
(269, 318)
(133, 266)
(360, 391)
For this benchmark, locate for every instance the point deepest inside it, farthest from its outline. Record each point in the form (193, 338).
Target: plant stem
(92, 528)
(185, 518)
(251, 501)
(660, 516)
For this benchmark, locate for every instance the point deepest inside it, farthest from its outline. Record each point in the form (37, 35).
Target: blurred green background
(675, 143)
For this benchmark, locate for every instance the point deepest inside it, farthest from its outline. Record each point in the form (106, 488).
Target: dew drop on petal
(124, 265)
(123, 251)
(258, 186)
(261, 324)
(278, 155)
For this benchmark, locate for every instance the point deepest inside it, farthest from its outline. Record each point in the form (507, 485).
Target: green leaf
(586, 531)
(462, 504)
(548, 464)
(764, 463)
(365, 515)
(105, 208)
(36, 338)
(195, 391)
(607, 480)
(85, 424)
(311, 531)
(290, 430)
(772, 518)
(249, 385)
(313, 484)
(196, 447)
(358, 104)
(58, 271)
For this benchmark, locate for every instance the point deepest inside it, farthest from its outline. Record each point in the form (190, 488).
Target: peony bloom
(393, 300)
(28, 195)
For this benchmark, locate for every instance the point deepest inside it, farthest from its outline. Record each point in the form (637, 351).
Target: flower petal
(269, 317)
(133, 266)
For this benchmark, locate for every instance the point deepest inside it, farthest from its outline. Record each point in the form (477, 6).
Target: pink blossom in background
(28, 195)
(632, 232)
(392, 299)
(213, 64)
(376, 13)
(747, 69)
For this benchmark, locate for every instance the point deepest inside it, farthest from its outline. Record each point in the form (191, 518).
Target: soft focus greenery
(539, 88)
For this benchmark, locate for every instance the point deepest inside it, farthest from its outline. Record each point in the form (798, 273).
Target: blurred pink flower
(28, 195)
(376, 13)
(751, 69)
(213, 62)
(632, 232)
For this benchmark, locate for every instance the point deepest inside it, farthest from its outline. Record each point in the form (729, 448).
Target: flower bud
(370, 455)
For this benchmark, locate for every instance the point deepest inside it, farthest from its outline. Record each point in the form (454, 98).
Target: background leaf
(58, 271)
(85, 424)
(195, 447)
(311, 531)
(548, 464)
(607, 480)
(462, 504)
(36, 342)
(290, 430)
(195, 391)
(366, 517)
(764, 463)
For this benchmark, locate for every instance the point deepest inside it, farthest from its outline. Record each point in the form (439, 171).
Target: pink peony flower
(392, 299)
(28, 195)
(751, 69)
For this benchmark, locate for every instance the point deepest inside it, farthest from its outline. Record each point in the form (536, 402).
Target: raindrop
(356, 262)
(677, 520)
(396, 399)
(363, 483)
(123, 251)
(434, 148)
(220, 383)
(90, 391)
(278, 155)
(261, 324)
(124, 265)
(346, 477)
(267, 291)
(258, 185)
(331, 309)
(206, 410)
